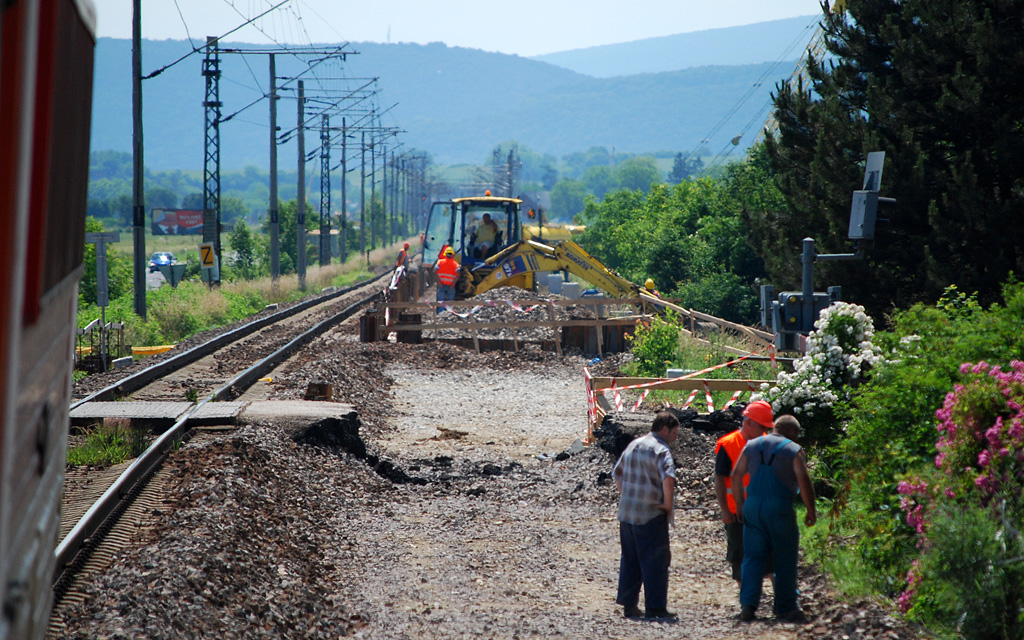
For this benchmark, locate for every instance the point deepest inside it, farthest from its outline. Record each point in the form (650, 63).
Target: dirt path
(516, 546)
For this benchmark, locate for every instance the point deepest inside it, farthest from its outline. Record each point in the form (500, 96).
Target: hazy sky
(525, 27)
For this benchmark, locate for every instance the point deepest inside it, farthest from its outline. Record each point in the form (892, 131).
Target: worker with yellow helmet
(649, 286)
(447, 269)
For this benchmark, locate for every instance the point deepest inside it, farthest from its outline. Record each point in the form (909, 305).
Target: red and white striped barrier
(690, 399)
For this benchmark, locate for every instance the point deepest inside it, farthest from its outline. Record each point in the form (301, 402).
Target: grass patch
(108, 445)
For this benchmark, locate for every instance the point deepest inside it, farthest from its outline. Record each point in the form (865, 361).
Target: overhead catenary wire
(765, 74)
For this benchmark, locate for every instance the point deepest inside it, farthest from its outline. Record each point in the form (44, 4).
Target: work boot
(748, 613)
(663, 615)
(632, 611)
(795, 615)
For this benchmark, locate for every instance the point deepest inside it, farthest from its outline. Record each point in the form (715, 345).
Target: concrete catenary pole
(272, 206)
(138, 189)
(300, 204)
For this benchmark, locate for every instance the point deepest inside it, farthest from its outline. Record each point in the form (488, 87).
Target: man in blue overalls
(778, 472)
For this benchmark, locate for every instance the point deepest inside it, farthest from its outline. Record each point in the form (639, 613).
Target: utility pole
(373, 191)
(344, 197)
(138, 186)
(300, 215)
(272, 208)
(325, 191)
(362, 193)
(385, 238)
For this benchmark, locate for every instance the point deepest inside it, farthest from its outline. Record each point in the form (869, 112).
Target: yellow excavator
(489, 240)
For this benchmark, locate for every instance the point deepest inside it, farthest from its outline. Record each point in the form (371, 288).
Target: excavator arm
(513, 265)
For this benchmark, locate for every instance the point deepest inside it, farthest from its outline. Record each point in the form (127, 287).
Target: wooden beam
(681, 384)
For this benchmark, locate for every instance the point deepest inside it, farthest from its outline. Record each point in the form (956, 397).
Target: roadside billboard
(176, 222)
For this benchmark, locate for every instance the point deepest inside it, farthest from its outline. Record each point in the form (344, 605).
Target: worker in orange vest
(757, 421)
(403, 257)
(447, 274)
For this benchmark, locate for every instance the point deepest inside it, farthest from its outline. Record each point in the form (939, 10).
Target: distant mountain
(452, 102)
(749, 44)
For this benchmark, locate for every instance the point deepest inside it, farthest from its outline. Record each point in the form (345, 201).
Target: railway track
(218, 370)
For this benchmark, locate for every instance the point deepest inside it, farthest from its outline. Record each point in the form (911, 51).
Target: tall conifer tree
(937, 86)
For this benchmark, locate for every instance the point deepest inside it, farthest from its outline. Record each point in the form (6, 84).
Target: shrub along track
(437, 521)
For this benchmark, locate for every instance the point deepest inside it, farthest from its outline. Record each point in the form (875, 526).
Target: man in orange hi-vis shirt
(757, 421)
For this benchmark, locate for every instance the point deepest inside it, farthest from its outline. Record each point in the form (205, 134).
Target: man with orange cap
(757, 420)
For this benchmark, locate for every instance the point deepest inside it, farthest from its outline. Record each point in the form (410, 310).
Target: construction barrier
(599, 388)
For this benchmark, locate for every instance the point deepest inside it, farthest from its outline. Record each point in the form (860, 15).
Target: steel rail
(75, 547)
(138, 380)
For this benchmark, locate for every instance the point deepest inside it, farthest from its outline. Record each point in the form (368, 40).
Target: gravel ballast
(463, 509)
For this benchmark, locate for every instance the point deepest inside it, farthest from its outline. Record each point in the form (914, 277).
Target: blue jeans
(445, 292)
(644, 561)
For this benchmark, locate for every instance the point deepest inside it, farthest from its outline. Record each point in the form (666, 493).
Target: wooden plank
(682, 384)
(521, 324)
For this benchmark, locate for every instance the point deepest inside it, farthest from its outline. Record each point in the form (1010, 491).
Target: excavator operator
(484, 237)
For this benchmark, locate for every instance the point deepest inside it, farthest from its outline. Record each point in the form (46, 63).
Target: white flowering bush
(839, 354)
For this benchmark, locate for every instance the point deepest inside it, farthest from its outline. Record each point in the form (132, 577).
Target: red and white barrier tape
(591, 405)
(707, 397)
(689, 400)
(732, 400)
(394, 278)
(643, 396)
(489, 303)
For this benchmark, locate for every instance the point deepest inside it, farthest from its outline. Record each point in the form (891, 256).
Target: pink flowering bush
(967, 514)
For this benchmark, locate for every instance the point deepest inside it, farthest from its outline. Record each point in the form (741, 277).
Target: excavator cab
(475, 228)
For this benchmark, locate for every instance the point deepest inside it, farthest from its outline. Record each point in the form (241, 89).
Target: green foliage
(930, 84)
(242, 244)
(684, 166)
(655, 345)
(970, 579)
(637, 174)
(599, 180)
(108, 446)
(287, 223)
(688, 238)
(568, 198)
(890, 423)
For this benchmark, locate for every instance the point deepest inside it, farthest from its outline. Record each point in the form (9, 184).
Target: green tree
(567, 199)
(684, 166)
(242, 244)
(287, 221)
(935, 86)
(688, 238)
(638, 173)
(160, 198)
(232, 208)
(600, 180)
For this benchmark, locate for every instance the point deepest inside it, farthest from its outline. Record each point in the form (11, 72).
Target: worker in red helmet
(404, 257)
(757, 420)
(777, 469)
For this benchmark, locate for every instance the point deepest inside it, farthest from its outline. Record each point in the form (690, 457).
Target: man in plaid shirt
(646, 477)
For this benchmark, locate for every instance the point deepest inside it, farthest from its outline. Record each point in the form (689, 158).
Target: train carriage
(46, 70)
